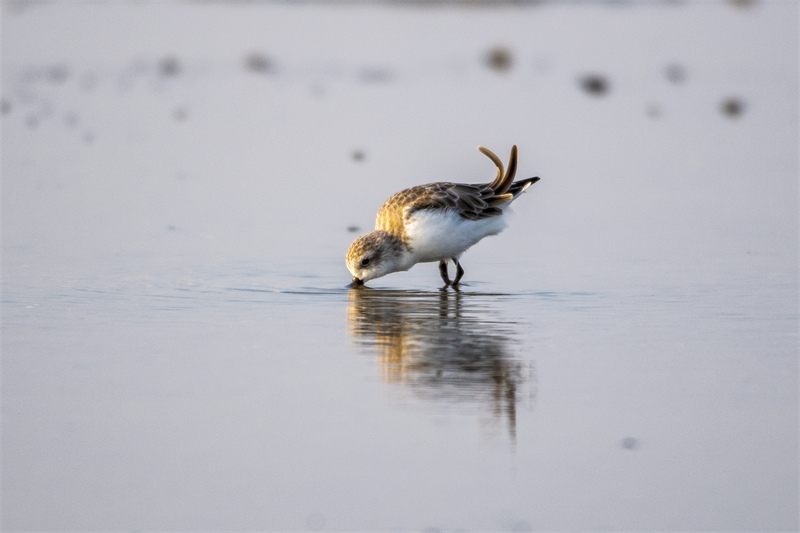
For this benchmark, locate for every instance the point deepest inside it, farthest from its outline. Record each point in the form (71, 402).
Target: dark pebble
(499, 59)
(57, 74)
(258, 62)
(675, 73)
(630, 443)
(169, 66)
(732, 107)
(742, 3)
(595, 84)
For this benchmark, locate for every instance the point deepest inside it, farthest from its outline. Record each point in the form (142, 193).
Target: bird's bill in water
(357, 281)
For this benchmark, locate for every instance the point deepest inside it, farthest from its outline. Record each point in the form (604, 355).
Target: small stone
(675, 73)
(169, 66)
(258, 62)
(57, 74)
(499, 59)
(595, 84)
(742, 3)
(630, 443)
(732, 107)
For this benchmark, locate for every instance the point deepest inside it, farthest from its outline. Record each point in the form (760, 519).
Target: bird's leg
(459, 272)
(443, 272)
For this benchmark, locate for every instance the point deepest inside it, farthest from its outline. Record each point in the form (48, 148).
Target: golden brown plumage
(435, 222)
(473, 202)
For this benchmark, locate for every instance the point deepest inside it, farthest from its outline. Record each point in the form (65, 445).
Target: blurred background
(185, 124)
(181, 181)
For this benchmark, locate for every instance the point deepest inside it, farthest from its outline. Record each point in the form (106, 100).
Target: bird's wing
(472, 202)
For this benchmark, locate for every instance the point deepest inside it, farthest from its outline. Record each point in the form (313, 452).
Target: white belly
(437, 235)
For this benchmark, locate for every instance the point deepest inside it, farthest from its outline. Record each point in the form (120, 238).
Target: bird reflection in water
(445, 346)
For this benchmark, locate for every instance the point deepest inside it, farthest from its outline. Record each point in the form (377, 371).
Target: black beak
(357, 281)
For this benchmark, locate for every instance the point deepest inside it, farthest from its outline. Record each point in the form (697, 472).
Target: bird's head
(374, 255)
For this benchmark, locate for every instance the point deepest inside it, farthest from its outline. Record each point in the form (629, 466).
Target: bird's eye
(365, 261)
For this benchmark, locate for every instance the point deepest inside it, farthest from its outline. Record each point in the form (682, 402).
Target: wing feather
(470, 201)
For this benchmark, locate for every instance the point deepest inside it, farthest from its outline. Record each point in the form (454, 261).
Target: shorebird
(436, 222)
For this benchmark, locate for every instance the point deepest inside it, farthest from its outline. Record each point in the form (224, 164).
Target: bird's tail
(519, 187)
(504, 186)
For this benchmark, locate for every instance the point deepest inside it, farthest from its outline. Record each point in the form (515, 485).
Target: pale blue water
(212, 398)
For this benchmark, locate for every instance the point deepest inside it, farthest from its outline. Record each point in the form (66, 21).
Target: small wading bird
(435, 222)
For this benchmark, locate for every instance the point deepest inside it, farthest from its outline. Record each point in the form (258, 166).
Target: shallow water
(214, 400)
(182, 349)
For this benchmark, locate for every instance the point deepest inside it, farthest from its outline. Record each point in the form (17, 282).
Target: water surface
(182, 350)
